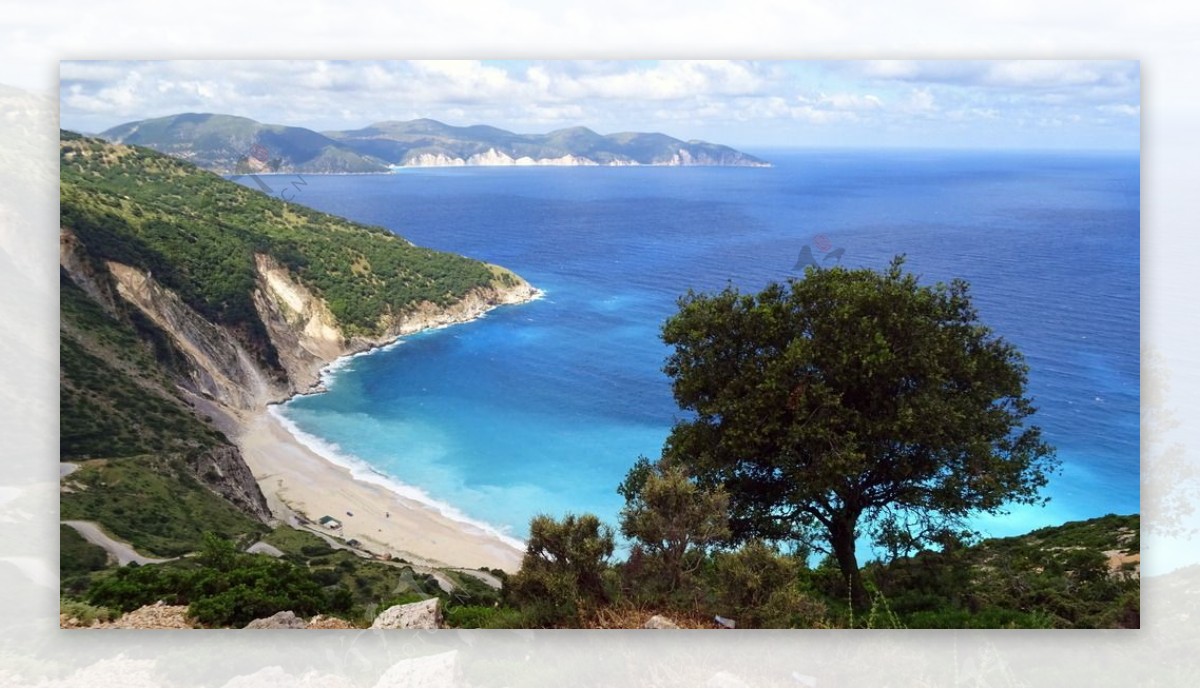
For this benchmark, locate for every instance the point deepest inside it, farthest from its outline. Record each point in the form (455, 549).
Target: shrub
(562, 573)
(673, 522)
(762, 588)
(83, 612)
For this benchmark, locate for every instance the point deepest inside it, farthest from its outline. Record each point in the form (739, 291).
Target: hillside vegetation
(226, 143)
(230, 144)
(198, 234)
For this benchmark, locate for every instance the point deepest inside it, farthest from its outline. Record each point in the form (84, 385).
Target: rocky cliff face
(221, 368)
(218, 368)
(222, 377)
(224, 471)
(299, 323)
(496, 158)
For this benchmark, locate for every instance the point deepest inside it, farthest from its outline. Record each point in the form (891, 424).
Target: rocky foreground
(424, 614)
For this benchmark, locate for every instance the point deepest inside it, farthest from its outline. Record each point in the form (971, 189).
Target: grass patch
(152, 502)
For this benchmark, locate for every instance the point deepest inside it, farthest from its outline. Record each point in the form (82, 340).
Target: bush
(83, 612)
(762, 588)
(222, 587)
(673, 522)
(484, 617)
(562, 573)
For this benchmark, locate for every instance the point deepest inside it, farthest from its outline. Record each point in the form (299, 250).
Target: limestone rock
(438, 670)
(280, 620)
(157, 616)
(421, 615)
(659, 622)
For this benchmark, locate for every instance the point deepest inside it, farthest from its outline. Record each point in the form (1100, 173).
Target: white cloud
(1010, 74)
(720, 100)
(1121, 109)
(920, 102)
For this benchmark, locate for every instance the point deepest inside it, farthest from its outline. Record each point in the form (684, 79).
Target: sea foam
(361, 470)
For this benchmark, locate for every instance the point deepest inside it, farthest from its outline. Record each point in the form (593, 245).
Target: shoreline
(299, 482)
(300, 479)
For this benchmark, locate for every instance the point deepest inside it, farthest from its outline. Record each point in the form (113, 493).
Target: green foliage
(225, 142)
(77, 558)
(199, 234)
(84, 613)
(113, 396)
(371, 585)
(760, 588)
(1053, 577)
(484, 617)
(154, 503)
(672, 522)
(222, 588)
(563, 571)
(851, 397)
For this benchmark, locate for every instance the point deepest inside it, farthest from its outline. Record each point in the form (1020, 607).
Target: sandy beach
(296, 480)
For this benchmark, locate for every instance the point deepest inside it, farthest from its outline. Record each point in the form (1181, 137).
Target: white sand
(295, 479)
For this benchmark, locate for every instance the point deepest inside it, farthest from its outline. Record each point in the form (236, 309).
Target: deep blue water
(541, 408)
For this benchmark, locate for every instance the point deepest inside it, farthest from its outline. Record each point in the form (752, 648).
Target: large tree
(851, 402)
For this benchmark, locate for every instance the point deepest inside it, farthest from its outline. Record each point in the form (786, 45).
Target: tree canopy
(849, 402)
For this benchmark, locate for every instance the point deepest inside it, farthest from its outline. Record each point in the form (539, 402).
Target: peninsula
(238, 145)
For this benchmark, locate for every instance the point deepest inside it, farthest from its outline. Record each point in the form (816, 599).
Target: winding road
(124, 553)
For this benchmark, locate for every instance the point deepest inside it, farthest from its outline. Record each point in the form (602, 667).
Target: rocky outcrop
(326, 622)
(224, 471)
(73, 258)
(437, 670)
(493, 157)
(280, 620)
(659, 622)
(156, 616)
(220, 367)
(473, 305)
(306, 334)
(496, 158)
(422, 615)
(300, 324)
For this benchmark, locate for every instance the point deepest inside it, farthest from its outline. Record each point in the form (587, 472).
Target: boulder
(280, 620)
(660, 622)
(421, 615)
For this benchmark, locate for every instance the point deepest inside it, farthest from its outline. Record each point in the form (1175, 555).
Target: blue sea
(543, 407)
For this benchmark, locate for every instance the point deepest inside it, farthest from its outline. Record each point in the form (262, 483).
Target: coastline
(299, 480)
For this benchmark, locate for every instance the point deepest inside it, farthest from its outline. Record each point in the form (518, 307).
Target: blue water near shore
(542, 407)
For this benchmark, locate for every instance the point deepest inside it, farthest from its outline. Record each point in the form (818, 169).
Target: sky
(1023, 104)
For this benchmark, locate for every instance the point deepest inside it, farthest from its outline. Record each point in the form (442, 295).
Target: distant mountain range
(230, 144)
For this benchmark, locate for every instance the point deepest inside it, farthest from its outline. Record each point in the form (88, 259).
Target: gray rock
(280, 620)
(421, 615)
(264, 548)
(439, 670)
(659, 622)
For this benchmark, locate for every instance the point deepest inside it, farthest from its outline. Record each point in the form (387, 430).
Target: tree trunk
(841, 537)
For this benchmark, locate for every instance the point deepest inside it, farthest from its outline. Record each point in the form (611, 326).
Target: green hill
(404, 143)
(229, 144)
(199, 235)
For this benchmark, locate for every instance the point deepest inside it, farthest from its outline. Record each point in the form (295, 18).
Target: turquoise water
(542, 407)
